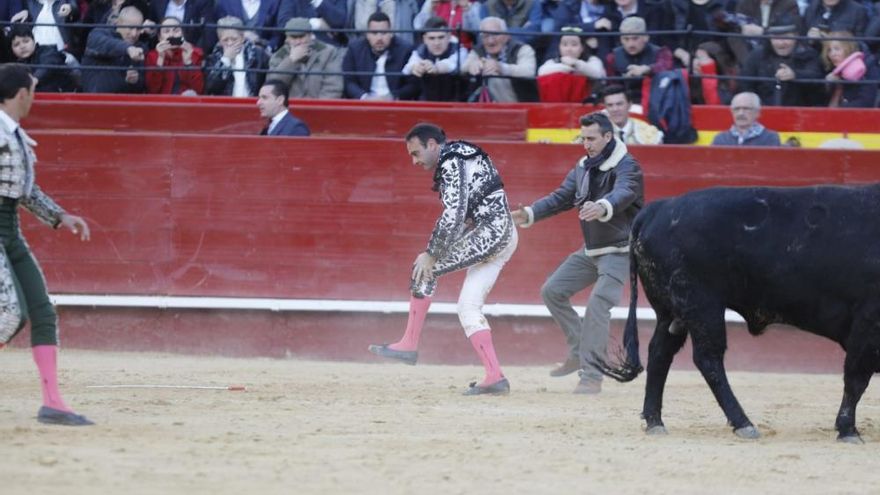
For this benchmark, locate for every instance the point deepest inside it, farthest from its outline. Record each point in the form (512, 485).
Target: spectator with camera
(118, 50)
(235, 66)
(25, 50)
(173, 50)
(302, 54)
(191, 13)
(783, 61)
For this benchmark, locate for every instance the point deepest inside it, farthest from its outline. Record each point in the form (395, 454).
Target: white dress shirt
(47, 35)
(379, 85)
(275, 120)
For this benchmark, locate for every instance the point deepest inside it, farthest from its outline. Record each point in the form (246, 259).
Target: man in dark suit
(272, 102)
(189, 12)
(378, 54)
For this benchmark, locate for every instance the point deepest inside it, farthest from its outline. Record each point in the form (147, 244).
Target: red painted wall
(376, 119)
(325, 217)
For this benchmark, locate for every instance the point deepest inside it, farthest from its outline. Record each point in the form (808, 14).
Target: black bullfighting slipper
(501, 387)
(51, 416)
(408, 357)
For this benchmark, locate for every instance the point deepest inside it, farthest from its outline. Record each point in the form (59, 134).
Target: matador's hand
(76, 225)
(423, 268)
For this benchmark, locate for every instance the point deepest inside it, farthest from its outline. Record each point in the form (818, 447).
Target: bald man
(746, 130)
(116, 47)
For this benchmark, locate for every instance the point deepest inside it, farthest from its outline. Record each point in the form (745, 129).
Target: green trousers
(31, 299)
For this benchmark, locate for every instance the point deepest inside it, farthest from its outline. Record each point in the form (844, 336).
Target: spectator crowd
(781, 52)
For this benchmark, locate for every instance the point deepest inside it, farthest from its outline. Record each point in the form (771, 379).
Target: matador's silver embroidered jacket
(17, 178)
(474, 207)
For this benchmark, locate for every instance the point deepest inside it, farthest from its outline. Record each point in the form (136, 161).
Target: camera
(175, 40)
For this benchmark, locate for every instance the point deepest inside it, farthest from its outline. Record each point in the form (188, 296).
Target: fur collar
(619, 152)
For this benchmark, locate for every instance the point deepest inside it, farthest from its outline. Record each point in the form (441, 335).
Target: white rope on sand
(233, 388)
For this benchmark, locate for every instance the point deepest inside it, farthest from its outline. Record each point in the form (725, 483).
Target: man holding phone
(173, 50)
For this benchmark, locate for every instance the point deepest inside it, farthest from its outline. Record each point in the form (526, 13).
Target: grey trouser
(588, 336)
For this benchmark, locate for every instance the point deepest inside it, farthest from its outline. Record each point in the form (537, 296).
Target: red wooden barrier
(212, 118)
(325, 217)
(540, 115)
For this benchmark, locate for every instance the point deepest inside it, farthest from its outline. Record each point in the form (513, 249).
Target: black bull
(807, 257)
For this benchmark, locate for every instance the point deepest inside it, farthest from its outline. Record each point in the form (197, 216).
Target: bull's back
(767, 247)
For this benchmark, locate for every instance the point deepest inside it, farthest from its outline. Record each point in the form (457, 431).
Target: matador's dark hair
(13, 77)
(425, 131)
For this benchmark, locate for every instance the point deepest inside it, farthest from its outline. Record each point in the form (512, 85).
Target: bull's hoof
(747, 432)
(656, 430)
(851, 439)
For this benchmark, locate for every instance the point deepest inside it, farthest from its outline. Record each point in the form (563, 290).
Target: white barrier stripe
(326, 305)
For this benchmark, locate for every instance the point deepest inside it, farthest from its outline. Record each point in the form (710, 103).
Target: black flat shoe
(408, 357)
(51, 416)
(501, 387)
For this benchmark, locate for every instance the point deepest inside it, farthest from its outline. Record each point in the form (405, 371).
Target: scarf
(754, 131)
(595, 161)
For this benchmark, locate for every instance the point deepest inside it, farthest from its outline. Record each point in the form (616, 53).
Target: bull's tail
(627, 365)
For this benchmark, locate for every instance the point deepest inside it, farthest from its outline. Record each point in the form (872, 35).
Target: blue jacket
(9, 8)
(288, 126)
(267, 17)
(106, 48)
(360, 58)
(332, 11)
(766, 138)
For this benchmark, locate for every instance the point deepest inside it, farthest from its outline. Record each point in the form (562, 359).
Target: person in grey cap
(636, 57)
(301, 55)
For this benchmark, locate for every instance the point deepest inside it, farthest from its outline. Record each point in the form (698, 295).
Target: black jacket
(764, 62)
(219, 78)
(848, 15)
(52, 80)
(360, 58)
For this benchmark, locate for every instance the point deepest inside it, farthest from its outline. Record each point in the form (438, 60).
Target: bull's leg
(855, 381)
(664, 345)
(709, 339)
(863, 347)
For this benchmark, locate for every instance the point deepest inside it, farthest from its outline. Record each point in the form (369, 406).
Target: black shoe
(408, 357)
(51, 416)
(570, 365)
(501, 387)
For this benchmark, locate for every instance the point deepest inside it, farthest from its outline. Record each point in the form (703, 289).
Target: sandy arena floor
(330, 427)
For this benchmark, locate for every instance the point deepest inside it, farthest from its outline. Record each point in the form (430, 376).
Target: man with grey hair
(506, 66)
(746, 130)
(116, 47)
(235, 66)
(637, 58)
(301, 54)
